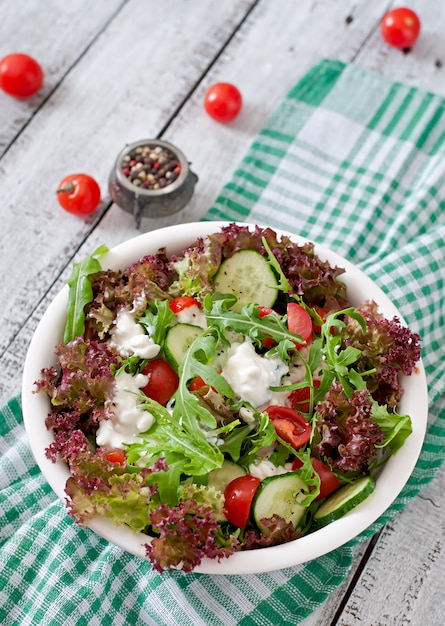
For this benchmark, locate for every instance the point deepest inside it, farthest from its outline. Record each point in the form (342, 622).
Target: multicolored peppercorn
(151, 167)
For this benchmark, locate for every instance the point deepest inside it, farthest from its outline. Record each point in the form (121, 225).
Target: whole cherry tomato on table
(238, 497)
(20, 75)
(400, 28)
(223, 102)
(79, 194)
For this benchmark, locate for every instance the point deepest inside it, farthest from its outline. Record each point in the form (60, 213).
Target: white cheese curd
(129, 338)
(263, 469)
(192, 315)
(128, 419)
(296, 374)
(250, 375)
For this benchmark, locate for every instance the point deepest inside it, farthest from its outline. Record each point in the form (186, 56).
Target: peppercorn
(154, 167)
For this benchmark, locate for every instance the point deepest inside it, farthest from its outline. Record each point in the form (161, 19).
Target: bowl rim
(400, 466)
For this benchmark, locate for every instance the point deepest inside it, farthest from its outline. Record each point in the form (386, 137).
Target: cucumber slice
(221, 477)
(280, 495)
(344, 500)
(249, 277)
(178, 340)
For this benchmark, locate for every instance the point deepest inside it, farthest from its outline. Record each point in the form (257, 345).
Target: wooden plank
(127, 84)
(403, 580)
(56, 35)
(424, 65)
(115, 94)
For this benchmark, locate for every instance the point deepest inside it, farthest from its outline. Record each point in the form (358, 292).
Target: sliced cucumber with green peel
(249, 277)
(221, 477)
(344, 500)
(280, 495)
(178, 340)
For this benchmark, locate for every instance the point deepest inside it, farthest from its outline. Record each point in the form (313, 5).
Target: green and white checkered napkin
(352, 161)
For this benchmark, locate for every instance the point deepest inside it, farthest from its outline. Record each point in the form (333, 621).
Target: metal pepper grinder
(151, 178)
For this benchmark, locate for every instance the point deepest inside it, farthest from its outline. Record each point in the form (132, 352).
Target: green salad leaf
(81, 293)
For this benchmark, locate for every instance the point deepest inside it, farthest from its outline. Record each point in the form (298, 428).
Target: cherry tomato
(238, 496)
(299, 321)
(328, 480)
(79, 194)
(162, 380)
(183, 302)
(20, 75)
(196, 383)
(299, 399)
(117, 456)
(267, 342)
(223, 102)
(400, 28)
(323, 314)
(290, 425)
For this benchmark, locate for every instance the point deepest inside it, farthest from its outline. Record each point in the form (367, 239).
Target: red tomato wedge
(299, 321)
(299, 399)
(267, 342)
(196, 383)
(162, 381)
(290, 425)
(328, 480)
(238, 496)
(183, 302)
(117, 456)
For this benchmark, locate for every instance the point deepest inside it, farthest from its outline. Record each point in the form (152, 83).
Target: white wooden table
(120, 70)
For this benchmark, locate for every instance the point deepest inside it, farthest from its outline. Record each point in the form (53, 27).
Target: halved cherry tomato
(400, 28)
(223, 102)
(162, 381)
(183, 302)
(328, 480)
(299, 399)
(238, 496)
(290, 425)
(79, 194)
(20, 75)
(299, 321)
(117, 456)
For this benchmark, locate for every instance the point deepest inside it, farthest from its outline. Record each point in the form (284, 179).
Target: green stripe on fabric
(317, 83)
(373, 123)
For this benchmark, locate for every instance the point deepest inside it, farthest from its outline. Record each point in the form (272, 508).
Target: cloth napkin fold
(350, 160)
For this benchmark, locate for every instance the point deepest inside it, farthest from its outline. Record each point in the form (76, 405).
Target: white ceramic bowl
(390, 482)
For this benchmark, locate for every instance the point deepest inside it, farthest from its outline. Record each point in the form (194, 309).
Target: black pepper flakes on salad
(229, 398)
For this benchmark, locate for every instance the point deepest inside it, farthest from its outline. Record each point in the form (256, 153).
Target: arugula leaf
(283, 283)
(157, 319)
(185, 452)
(309, 475)
(248, 322)
(197, 361)
(80, 293)
(338, 360)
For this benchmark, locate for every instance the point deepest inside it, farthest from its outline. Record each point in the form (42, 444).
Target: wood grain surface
(120, 70)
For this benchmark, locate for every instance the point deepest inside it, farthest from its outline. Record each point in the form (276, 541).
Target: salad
(229, 398)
